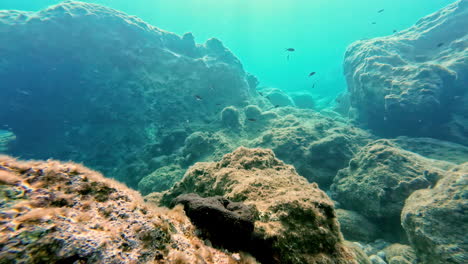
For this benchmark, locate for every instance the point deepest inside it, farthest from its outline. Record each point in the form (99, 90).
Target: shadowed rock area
(226, 224)
(414, 82)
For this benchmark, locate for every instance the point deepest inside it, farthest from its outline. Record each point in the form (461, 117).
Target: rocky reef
(296, 221)
(52, 212)
(380, 178)
(414, 82)
(436, 219)
(95, 84)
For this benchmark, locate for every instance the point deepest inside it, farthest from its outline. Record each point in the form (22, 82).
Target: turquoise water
(259, 31)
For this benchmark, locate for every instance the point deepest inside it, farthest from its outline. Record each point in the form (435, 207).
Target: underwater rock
(434, 149)
(305, 101)
(230, 118)
(224, 223)
(356, 227)
(414, 82)
(54, 212)
(400, 254)
(161, 179)
(252, 112)
(277, 97)
(435, 220)
(379, 179)
(361, 256)
(317, 146)
(296, 220)
(203, 146)
(64, 101)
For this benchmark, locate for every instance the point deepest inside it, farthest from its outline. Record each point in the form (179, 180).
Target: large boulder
(52, 212)
(414, 81)
(435, 220)
(94, 84)
(380, 178)
(296, 221)
(317, 146)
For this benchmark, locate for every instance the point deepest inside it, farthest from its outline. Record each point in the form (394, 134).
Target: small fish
(312, 74)
(395, 31)
(23, 92)
(252, 119)
(373, 23)
(276, 106)
(313, 86)
(218, 104)
(198, 98)
(381, 10)
(440, 44)
(261, 94)
(338, 100)
(291, 49)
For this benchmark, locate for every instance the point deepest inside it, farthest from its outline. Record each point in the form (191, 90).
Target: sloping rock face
(414, 82)
(52, 212)
(435, 220)
(94, 84)
(380, 178)
(296, 221)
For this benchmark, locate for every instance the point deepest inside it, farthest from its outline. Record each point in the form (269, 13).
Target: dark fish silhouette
(394, 31)
(313, 85)
(312, 74)
(440, 44)
(290, 49)
(198, 98)
(252, 119)
(261, 94)
(373, 23)
(381, 10)
(276, 106)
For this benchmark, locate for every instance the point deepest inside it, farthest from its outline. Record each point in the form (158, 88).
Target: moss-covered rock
(356, 227)
(161, 179)
(53, 212)
(435, 219)
(380, 178)
(296, 221)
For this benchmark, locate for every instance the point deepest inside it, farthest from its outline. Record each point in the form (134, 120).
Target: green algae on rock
(435, 219)
(296, 222)
(52, 212)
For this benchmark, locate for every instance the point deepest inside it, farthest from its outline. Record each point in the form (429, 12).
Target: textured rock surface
(434, 149)
(435, 220)
(400, 254)
(161, 179)
(316, 145)
(297, 221)
(414, 82)
(225, 223)
(53, 212)
(380, 178)
(100, 84)
(356, 227)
